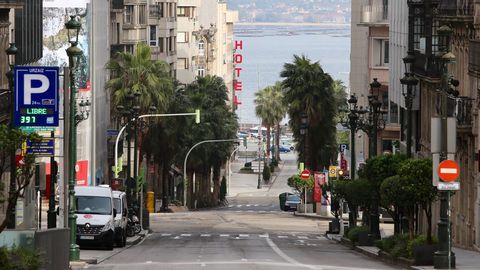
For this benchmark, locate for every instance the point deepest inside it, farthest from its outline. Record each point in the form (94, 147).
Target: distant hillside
(305, 11)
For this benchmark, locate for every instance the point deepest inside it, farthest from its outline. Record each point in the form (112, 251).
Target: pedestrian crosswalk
(300, 238)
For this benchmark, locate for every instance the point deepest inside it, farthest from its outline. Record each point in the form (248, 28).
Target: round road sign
(448, 170)
(305, 174)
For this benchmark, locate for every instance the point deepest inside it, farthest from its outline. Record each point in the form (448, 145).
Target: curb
(312, 216)
(381, 256)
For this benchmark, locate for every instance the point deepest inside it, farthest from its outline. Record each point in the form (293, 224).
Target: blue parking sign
(36, 96)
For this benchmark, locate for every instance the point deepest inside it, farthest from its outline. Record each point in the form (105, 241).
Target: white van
(121, 219)
(95, 216)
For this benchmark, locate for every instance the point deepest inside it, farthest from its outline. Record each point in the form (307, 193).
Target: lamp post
(353, 123)
(444, 258)
(259, 180)
(371, 124)
(409, 81)
(74, 53)
(11, 53)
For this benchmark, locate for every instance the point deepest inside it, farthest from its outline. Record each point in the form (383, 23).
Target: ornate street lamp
(409, 82)
(444, 257)
(11, 53)
(74, 53)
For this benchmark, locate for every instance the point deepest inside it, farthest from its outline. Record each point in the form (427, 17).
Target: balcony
(11, 3)
(464, 113)
(117, 4)
(372, 15)
(155, 11)
(456, 9)
(474, 58)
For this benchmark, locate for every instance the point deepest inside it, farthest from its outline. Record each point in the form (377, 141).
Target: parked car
(95, 216)
(282, 149)
(292, 202)
(121, 219)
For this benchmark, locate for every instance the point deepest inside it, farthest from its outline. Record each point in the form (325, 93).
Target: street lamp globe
(73, 30)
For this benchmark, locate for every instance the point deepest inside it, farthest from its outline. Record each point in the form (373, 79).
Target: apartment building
(149, 21)
(370, 60)
(205, 40)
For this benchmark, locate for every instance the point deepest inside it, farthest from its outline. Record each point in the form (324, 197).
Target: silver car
(292, 202)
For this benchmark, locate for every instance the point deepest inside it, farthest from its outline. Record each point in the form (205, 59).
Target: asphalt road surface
(250, 233)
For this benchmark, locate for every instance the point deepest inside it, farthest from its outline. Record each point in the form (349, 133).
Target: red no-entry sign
(448, 170)
(305, 174)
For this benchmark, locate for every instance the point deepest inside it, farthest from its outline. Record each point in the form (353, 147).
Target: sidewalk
(465, 259)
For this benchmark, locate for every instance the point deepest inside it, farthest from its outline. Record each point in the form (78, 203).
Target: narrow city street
(250, 233)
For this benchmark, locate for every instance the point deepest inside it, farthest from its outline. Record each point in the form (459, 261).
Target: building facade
(370, 60)
(205, 40)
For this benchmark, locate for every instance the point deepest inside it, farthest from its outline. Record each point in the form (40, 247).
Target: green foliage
(18, 258)
(266, 173)
(379, 168)
(353, 233)
(343, 137)
(419, 240)
(308, 89)
(299, 183)
(396, 245)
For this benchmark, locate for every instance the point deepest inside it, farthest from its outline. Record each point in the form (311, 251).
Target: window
(201, 48)
(201, 71)
(128, 15)
(153, 35)
(380, 51)
(161, 44)
(142, 10)
(181, 12)
(182, 37)
(182, 63)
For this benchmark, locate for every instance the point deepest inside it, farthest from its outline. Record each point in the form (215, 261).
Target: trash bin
(282, 199)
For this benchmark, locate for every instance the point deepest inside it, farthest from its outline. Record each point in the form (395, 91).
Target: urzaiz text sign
(36, 96)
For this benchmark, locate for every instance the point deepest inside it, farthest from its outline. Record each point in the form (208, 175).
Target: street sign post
(44, 148)
(448, 172)
(36, 96)
(305, 174)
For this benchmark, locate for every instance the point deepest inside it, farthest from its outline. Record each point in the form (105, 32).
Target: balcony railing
(372, 14)
(456, 8)
(464, 111)
(155, 11)
(474, 57)
(117, 4)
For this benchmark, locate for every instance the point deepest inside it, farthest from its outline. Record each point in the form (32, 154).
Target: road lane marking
(224, 235)
(243, 235)
(205, 235)
(282, 236)
(166, 234)
(302, 237)
(185, 235)
(284, 256)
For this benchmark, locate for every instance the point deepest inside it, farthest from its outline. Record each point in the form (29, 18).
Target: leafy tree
(11, 141)
(416, 175)
(308, 89)
(299, 184)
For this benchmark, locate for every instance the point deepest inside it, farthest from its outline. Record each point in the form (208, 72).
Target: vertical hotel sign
(237, 60)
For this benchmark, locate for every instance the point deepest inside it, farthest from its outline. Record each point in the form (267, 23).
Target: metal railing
(374, 14)
(474, 57)
(464, 111)
(456, 8)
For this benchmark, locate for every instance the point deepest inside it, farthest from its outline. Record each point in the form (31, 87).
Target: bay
(266, 48)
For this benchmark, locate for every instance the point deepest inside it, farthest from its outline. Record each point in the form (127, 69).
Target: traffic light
(197, 116)
(341, 173)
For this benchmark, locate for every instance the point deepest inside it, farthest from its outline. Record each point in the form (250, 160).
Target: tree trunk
(268, 142)
(190, 190)
(216, 184)
(277, 143)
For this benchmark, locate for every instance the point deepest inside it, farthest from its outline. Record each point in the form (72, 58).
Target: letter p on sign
(40, 86)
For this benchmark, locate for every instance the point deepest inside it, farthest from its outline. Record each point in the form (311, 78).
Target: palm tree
(308, 89)
(136, 72)
(270, 108)
(218, 122)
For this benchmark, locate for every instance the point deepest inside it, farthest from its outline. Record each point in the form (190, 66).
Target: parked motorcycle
(133, 225)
